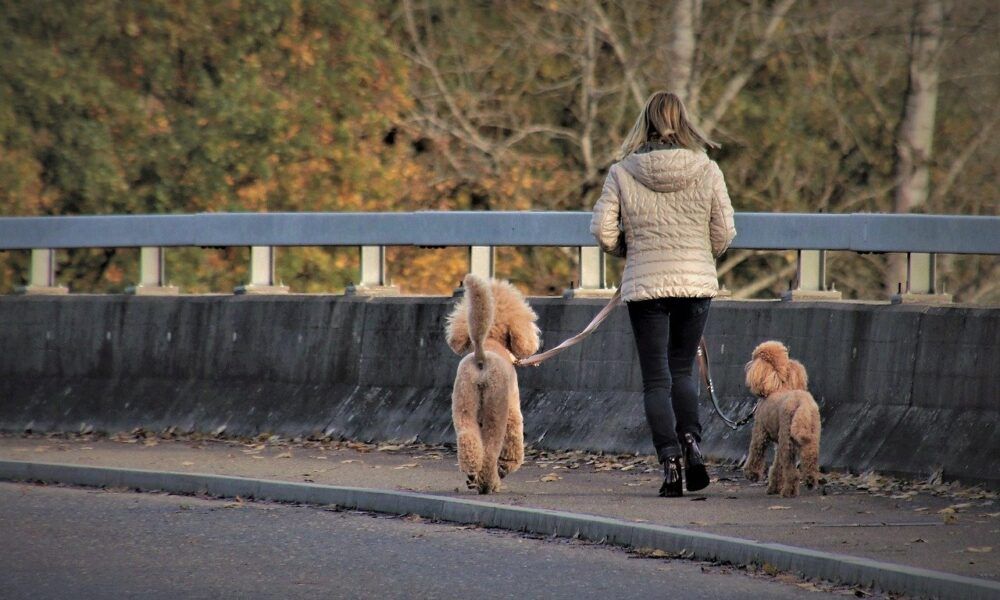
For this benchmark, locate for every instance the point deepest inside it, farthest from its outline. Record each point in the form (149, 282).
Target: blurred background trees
(162, 106)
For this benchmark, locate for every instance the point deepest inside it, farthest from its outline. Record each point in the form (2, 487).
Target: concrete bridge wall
(902, 389)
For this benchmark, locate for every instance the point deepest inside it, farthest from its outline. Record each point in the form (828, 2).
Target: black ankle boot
(695, 472)
(673, 486)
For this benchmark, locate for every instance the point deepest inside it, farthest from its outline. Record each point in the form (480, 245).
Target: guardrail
(921, 237)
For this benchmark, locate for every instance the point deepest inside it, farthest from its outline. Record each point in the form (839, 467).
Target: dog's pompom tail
(481, 309)
(797, 378)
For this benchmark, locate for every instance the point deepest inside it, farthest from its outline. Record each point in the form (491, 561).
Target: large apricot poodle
(492, 325)
(788, 415)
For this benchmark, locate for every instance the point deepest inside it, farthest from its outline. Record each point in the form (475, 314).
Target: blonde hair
(664, 119)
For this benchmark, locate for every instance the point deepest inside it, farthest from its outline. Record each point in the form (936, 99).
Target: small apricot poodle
(787, 415)
(494, 325)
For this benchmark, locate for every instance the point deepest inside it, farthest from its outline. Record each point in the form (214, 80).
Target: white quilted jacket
(668, 212)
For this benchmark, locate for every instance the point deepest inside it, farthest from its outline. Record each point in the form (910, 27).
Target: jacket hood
(667, 170)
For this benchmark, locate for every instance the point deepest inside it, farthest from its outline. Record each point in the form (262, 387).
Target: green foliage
(162, 106)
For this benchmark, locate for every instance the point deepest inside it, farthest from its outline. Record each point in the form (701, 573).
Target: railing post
(261, 273)
(593, 275)
(482, 261)
(152, 274)
(921, 281)
(810, 276)
(42, 278)
(374, 279)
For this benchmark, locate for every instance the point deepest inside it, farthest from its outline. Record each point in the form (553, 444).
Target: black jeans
(667, 332)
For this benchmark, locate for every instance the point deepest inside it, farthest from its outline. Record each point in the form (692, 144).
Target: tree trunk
(915, 135)
(681, 48)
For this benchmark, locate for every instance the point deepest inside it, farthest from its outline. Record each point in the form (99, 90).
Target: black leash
(706, 374)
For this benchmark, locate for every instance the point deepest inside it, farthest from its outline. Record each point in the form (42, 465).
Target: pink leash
(535, 359)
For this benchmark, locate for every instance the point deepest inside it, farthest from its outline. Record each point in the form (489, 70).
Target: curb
(841, 568)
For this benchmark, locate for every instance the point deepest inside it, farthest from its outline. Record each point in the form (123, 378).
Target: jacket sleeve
(721, 228)
(605, 224)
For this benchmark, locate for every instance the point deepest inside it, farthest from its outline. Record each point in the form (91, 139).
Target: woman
(665, 208)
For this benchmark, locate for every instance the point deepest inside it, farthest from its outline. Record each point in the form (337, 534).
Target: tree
(915, 137)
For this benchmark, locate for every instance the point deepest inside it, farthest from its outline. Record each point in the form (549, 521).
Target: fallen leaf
(284, 455)
(187, 463)
(550, 477)
(349, 460)
(777, 507)
(980, 549)
(407, 466)
(650, 553)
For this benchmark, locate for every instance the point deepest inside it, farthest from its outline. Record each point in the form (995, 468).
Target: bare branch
(748, 291)
(636, 86)
(958, 165)
(470, 131)
(757, 56)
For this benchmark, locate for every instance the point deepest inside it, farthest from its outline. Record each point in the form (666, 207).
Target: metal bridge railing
(920, 237)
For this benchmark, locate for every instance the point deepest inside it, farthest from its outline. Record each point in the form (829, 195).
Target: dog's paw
(751, 476)
(472, 482)
(503, 470)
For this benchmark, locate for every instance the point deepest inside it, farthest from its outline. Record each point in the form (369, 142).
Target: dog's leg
(810, 462)
(784, 460)
(494, 419)
(465, 416)
(754, 466)
(774, 476)
(512, 453)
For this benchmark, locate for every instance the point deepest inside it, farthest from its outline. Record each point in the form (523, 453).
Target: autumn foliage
(167, 106)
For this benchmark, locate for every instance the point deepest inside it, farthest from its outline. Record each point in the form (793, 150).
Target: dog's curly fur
(491, 325)
(788, 415)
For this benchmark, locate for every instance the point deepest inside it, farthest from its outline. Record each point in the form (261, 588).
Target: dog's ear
(796, 379)
(762, 378)
(515, 320)
(457, 329)
(524, 339)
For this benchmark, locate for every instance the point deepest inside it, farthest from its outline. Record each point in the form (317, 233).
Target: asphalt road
(65, 542)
